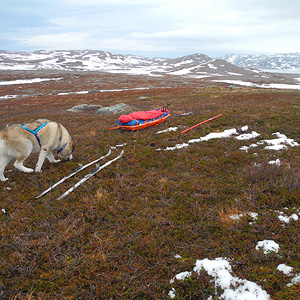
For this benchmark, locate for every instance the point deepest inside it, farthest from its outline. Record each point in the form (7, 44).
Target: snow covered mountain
(91, 60)
(285, 61)
(94, 60)
(198, 66)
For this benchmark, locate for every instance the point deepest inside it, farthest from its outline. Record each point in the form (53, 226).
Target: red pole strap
(201, 123)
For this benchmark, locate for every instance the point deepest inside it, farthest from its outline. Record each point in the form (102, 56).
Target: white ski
(89, 175)
(80, 168)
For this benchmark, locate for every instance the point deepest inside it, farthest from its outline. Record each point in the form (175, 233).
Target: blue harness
(35, 131)
(38, 139)
(62, 148)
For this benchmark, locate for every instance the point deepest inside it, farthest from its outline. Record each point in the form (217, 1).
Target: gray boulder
(118, 108)
(84, 107)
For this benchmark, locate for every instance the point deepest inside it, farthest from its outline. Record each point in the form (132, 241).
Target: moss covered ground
(126, 232)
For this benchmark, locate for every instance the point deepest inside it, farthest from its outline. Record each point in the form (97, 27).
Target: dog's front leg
(51, 158)
(43, 154)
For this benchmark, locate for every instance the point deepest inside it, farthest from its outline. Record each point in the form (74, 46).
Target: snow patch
(266, 86)
(221, 272)
(214, 135)
(267, 246)
(275, 162)
(280, 143)
(286, 219)
(248, 136)
(27, 81)
(285, 269)
(167, 130)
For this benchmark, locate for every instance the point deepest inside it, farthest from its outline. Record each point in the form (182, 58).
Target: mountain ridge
(230, 68)
(280, 61)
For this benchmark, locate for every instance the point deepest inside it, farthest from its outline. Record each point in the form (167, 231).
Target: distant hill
(285, 61)
(92, 60)
(232, 68)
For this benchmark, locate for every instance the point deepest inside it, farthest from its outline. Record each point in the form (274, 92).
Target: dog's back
(12, 140)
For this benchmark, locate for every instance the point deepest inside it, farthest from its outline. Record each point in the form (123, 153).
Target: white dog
(41, 136)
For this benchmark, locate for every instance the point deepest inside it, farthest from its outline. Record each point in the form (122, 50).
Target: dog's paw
(4, 179)
(56, 160)
(27, 170)
(22, 168)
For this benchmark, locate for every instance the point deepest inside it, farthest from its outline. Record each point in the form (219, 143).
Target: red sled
(142, 119)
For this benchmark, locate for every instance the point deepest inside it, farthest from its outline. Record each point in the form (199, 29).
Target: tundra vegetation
(127, 231)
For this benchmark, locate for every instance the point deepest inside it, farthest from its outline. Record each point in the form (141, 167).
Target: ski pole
(201, 123)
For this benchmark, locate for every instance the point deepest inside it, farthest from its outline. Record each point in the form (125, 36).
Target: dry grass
(115, 237)
(229, 216)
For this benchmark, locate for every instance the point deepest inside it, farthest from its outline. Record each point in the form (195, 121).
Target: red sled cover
(141, 115)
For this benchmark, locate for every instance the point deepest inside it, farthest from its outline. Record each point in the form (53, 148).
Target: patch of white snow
(267, 246)
(233, 287)
(248, 136)
(285, 269)
(167, 130)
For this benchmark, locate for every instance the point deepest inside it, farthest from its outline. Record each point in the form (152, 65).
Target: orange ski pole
(201, 123)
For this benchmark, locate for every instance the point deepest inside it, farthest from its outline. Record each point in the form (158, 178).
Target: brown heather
(115, 237)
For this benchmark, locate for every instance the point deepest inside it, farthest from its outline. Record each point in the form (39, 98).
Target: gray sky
(162, 28)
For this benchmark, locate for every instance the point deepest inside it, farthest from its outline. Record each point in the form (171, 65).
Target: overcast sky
(152, 28)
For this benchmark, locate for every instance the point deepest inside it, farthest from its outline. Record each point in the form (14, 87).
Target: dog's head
(66, 151)
(67, 145)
